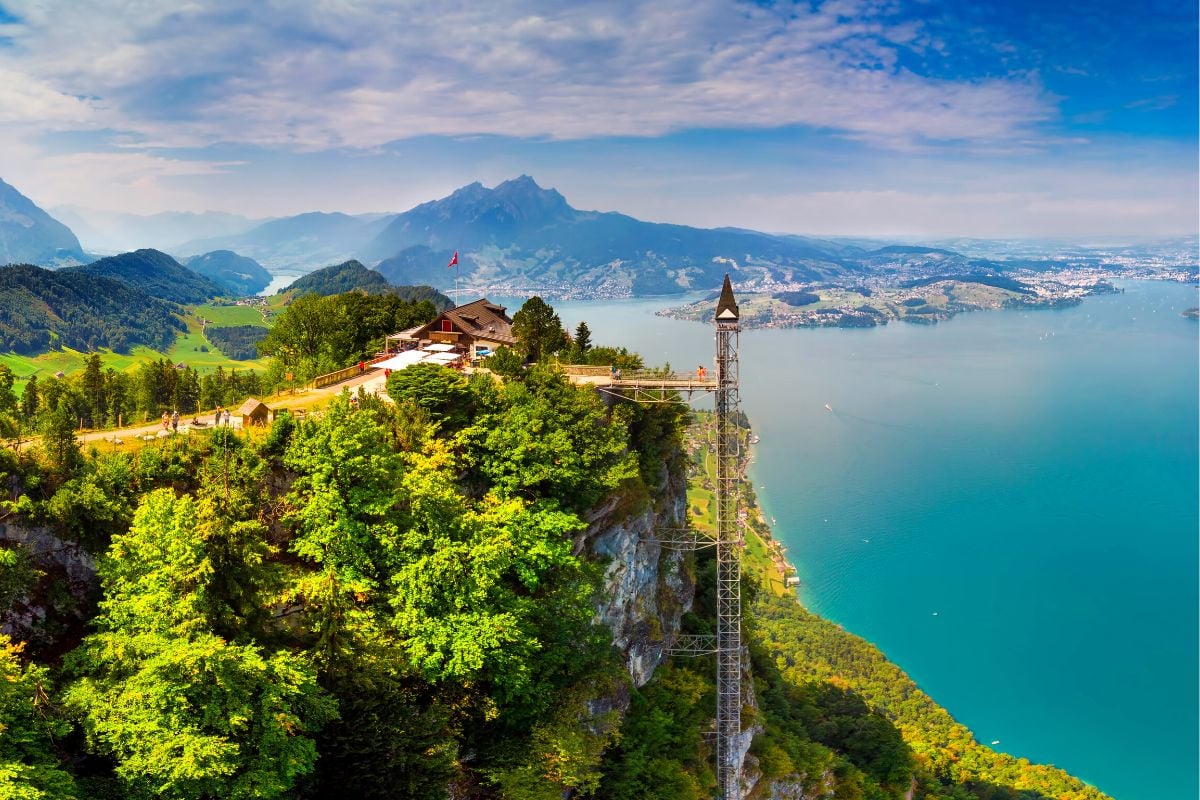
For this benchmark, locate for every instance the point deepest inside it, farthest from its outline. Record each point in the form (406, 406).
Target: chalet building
(254, 412)
(474, 330)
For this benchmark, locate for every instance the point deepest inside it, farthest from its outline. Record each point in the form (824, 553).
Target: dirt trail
(371, 380)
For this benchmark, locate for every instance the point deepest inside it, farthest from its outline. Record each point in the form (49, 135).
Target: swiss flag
(453, 260)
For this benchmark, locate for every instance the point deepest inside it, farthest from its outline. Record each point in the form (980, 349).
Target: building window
(447, 326)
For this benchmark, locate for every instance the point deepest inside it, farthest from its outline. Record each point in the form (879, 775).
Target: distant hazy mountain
(28, 235)
(41, 309)
(238, 274)
(520, 232)
(157, 274)
(114, 231)
(421, 264)
(353, 276)
(305, 242)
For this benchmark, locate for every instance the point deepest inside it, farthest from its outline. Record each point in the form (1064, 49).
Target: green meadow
(191, 348)
(229, 316)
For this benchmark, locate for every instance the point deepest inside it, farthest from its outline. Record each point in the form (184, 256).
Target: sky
(915, 118)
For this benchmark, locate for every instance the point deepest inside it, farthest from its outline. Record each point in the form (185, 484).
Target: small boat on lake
(828, 407)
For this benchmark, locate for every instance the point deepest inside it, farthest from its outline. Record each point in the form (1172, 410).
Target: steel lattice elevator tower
(657, 387)
(729, 551)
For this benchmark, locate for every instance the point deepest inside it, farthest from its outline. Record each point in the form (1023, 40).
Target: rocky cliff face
(63, 592)
(647, 588)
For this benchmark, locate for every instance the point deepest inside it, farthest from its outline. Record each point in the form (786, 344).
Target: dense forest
(398, 600)
(239, 342)
(41, 309)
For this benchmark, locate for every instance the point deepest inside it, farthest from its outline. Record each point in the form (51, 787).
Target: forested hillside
(41, 309)
(238, 275)
(409, 599)
(353, 276)
(157, 274)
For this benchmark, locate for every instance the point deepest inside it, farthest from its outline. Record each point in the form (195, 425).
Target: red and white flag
(453, 260)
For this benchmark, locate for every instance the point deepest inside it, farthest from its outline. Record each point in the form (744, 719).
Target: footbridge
(643, 385)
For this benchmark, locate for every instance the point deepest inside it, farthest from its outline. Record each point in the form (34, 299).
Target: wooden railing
(329, 379)
(586, 370)
(640, 378)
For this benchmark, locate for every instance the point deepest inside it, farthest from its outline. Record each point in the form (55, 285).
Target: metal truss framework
(729, 565)
(728, 540)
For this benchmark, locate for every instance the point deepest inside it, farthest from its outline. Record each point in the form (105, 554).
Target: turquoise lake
(1005, 503)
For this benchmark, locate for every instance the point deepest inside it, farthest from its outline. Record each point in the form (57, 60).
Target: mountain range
(520, 237)
(30, 235)
(302, 243)
(104, 231)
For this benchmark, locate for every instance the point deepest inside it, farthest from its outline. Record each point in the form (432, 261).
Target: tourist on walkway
(175, 421)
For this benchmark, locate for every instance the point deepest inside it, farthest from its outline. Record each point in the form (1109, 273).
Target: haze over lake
(1005, 503)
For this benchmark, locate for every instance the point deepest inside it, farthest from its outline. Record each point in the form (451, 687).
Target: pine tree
(583, 338)
(58, 439)
(538, 330)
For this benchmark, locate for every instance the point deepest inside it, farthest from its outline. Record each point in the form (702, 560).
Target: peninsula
(922, 300)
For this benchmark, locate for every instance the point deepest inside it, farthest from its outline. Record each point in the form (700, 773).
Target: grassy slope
(187, 348)
(229, 316)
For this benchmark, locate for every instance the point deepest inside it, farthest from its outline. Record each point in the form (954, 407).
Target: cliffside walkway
(644, 385)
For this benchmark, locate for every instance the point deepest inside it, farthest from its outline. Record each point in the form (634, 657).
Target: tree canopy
(538, 330)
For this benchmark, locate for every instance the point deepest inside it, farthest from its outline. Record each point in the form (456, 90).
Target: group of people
(170, 421)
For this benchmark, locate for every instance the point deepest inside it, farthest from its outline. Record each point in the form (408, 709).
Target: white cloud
(980, 214)
(131, 181)
(27, 101)
(315, 75)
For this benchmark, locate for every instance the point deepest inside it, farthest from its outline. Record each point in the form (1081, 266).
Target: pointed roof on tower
(727, 308)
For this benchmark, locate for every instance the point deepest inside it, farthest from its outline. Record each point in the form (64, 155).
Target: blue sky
(917, 118)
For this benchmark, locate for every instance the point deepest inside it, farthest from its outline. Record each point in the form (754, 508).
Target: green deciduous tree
(184, 712)
(506, 362)
(29, 399)
(342, 504)
(443, 394)
(29, 768)
(551, 440)
(466, 601)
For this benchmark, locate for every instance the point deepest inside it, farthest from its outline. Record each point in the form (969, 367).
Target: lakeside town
(913, 295)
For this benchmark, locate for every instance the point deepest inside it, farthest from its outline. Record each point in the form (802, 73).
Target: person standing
(175, 422)
(166, 420)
